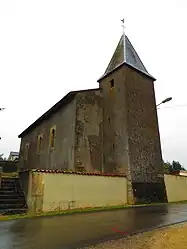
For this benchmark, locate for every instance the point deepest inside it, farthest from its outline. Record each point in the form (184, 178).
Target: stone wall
(115, 137)
(88, 143)
(131, 141)
(145, 156)
(144, 140)
(115, 130)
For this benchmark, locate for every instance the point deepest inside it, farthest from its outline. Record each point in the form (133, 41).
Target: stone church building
(111, 129)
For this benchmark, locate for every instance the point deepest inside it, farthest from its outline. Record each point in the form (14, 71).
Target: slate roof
(63, 102)
(126, 54)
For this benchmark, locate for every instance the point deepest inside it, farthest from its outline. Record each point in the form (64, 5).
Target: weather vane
(124, 40)
(123, 25)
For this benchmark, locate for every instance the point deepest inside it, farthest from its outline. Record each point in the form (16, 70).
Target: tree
(167, 167)
(173, 167)
(176, 166)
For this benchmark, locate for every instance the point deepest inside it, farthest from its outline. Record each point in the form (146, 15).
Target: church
(112, 129)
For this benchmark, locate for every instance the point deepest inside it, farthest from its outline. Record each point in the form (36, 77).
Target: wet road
(78, 230)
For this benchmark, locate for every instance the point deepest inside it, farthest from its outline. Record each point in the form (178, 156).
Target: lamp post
(164, 101)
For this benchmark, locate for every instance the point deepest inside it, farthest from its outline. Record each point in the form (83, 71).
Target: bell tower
(131, 140)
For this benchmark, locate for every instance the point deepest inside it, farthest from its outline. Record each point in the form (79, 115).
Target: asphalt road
(78, 230)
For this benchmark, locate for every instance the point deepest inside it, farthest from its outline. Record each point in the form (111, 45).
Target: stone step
(12, 196)
(11, 206)
(9, 179)
(9, 192)
(8, 185)
(13, 211)
(8, 182)
(10, 201)
(7, 188)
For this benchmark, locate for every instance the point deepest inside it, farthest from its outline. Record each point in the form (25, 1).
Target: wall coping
(77, 173)
(175, 175)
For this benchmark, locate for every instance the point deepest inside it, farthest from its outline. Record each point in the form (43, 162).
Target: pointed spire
(118, 56)
(125, 53)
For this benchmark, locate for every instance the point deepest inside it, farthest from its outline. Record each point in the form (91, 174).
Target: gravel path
(173, 237)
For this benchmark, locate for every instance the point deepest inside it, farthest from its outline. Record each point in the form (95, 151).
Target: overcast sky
(48, 48)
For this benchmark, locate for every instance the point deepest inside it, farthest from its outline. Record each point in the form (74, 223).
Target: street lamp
(164, 101)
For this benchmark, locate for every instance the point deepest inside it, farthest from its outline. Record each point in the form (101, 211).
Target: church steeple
(125, 53)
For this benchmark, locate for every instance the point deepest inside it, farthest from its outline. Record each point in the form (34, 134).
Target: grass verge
(79, 210)
(72, 211)
(178, 202)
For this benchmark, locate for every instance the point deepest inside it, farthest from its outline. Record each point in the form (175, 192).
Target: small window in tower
(109, 119)
(112, 83)
(52, 137)
(39, 145)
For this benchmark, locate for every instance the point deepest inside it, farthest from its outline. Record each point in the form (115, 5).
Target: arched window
(111, 84)
(39, 145)
(52, 137)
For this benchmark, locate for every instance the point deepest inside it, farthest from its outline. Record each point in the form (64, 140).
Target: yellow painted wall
(37, 191)
(176, 187)
(63, 191)
(50, 192)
